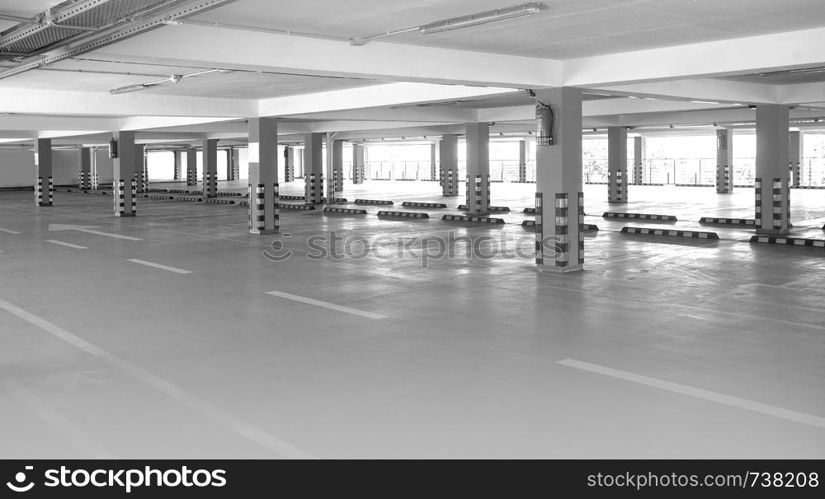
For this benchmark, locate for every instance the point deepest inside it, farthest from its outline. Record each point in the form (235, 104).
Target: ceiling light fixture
(478, 19)
(174, 79)
(491, 16)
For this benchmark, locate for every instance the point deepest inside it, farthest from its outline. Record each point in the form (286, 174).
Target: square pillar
(617, 165)
(289, 164)
(141, 175)
(639, 154)
(771, 182)
(191, 166)
(95, 178)
(236, 163)
(43, 179)
(448, 154)
(358, 164)
(125, 166)
(314, 168)
(795, 150)
(724, 161)
(337, 165)
(264, 197)
(85, 177)
(210, 168)
(230, 168)
(478, 169)
(176, 155)
(559, 198)
(522, 161)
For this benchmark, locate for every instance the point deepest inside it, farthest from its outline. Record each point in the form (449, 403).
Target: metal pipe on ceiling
(17, 19)
(107, 37)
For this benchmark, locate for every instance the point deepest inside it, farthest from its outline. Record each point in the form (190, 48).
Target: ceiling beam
(188, 44)
(735, 56)
(391, 94)
(706, 89)
(56, 102)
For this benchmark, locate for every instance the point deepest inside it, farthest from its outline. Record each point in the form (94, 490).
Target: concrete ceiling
(566, 29)
(640, 63)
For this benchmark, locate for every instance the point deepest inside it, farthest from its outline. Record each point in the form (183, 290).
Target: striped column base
(531, 224)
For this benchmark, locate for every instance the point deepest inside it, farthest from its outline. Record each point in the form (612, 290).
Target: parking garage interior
(338, 229)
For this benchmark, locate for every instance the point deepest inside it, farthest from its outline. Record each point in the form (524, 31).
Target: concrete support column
(177, 159)
(299, 163)
(639, 154)
(141, 175)
(448, 154)
(125, 166)
(85, 177)
(617, 164)
(522, 161)
(478, 169)
(559, 198)
(724, 161)
(264, 196)
(43, 179)
(771, 182)
(191, 166)
(95, 178)
(358, 164)
(795, 149)
(235, 158)
(314, 168)
(210, 168)
(434, 161)
(289, 164)
(230, 168)
(337, 165)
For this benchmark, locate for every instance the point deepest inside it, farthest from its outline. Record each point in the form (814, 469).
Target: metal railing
(502, 170)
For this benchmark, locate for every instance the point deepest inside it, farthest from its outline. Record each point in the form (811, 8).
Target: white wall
(65, 167)
(16, 168)
(105, 166)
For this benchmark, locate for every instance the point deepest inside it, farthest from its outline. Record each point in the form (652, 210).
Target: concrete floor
(657, 350)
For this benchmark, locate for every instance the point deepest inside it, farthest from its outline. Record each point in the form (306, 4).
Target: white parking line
(748, 405)
(175, 392)
(68, 245)
(159, 266)
(8, 231)
(324, 304)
